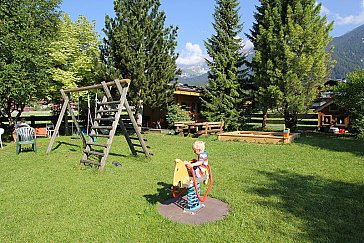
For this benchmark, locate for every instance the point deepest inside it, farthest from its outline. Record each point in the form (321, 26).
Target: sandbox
(258, 137)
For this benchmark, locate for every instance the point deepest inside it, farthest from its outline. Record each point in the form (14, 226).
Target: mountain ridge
(348, 53)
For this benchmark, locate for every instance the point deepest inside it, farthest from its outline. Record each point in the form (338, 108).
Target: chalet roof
(320, 108)
(189, 88)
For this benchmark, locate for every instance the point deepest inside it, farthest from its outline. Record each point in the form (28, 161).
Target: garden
(309, 190)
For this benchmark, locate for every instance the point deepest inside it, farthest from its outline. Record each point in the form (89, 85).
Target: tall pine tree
(225, 93)
(143, 50)
(291, 63)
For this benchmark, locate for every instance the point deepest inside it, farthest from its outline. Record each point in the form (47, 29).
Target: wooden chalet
(187, 97)
(332, 115)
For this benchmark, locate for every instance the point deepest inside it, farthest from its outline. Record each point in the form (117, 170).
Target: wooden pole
(97, 86)
(56, 129)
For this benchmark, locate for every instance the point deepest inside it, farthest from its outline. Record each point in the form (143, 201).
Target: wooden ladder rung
(110, 102)
(102, 127)
(109, 110)
(105, 118)
(86, 161)
(97, 144)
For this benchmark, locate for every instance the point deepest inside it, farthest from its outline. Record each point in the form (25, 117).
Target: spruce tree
(139, 46)
(291, 62)
(225, 93)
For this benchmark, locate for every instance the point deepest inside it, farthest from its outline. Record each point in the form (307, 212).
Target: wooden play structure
(109, 116)
(258, 137)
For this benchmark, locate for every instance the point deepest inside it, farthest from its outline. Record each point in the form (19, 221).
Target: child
(199, 165)
(199, 169)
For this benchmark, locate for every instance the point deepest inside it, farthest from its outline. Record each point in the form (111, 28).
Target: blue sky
(194, 19)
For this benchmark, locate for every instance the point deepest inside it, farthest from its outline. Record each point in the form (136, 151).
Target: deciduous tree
(75, 52)
(350, 95)
(26, 29)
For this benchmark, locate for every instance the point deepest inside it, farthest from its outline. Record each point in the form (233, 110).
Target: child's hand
(188, 164)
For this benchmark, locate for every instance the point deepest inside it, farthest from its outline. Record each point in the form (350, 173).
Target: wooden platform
(258, 137)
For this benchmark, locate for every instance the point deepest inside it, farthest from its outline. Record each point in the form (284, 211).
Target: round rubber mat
(213, 210)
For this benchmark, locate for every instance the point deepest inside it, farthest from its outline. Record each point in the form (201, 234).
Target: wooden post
(56, 129)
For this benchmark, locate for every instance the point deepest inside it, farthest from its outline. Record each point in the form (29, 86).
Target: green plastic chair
(25, 135)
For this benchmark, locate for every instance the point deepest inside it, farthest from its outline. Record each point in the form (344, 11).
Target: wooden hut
(331, 115)
(187, 97)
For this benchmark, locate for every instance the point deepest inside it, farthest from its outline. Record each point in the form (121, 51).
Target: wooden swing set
(109, 111)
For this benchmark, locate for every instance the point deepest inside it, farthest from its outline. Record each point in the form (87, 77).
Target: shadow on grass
(59, 144)
(163, 193)
(338, 143)
(331, 211)
(119, 155)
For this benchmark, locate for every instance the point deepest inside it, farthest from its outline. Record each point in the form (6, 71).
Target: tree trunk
(264, 121)
(290, 120)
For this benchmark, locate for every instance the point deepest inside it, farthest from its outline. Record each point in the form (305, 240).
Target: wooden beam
(97, 86)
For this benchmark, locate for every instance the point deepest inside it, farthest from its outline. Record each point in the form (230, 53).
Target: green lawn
(308, 191)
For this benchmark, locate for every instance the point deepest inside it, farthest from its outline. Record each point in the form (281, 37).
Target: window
(326, 120)
(340, 121)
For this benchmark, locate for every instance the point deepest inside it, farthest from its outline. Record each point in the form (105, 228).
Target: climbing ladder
(109, 111)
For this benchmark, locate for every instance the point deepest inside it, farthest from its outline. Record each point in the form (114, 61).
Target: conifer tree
(225, 93)
(139, 46)
(291, 63)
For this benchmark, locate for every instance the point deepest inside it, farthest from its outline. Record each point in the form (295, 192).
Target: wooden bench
(210, 127)
(181, 126)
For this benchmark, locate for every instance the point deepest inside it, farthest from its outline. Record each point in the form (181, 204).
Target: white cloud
(351, 19)
(191, 55)
(248, 45)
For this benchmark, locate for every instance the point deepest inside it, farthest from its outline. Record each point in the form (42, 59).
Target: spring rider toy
(182, 179)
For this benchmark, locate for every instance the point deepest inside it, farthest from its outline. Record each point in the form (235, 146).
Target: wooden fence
(42, 121)
(276, 121)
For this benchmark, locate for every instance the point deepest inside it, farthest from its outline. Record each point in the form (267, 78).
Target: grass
(308, 191)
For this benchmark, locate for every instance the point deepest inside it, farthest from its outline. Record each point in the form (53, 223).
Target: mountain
(197, 80)
(348, 52)
(190, 71)
(197, 74)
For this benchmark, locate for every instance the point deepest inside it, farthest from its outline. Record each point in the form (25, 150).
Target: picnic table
(200, 128)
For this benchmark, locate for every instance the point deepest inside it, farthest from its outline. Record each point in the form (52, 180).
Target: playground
(311, 189)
